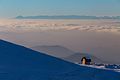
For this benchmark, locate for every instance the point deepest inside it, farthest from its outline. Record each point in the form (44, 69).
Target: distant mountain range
(67, 17)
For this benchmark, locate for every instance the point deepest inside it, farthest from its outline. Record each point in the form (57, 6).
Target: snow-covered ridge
(18, 62)
(82, 25)
(113, 67)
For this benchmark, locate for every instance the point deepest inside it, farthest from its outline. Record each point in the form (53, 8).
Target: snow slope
(65, 53)
(20, 63)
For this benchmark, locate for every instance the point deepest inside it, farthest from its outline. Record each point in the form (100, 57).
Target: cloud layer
(81, 25)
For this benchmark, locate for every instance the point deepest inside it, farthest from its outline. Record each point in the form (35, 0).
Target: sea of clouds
(81, 25)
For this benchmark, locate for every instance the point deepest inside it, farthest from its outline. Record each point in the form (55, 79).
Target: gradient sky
(12, 8)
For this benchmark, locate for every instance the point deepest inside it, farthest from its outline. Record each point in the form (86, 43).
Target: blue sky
(12, 8)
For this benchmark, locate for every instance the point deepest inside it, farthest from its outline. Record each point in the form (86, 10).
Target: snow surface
(20, 63)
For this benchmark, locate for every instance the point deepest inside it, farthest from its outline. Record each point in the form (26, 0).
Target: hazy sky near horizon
(12, 8)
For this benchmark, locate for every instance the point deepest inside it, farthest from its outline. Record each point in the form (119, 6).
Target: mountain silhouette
(67, 17)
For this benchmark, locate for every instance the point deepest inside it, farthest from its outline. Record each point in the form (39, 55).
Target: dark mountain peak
(19, 16)
(67, 17)
(54, 50)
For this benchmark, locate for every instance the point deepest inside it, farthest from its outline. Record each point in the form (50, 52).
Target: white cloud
(81, 25)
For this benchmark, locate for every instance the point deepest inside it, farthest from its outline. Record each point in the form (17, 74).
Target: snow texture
(20, 63)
